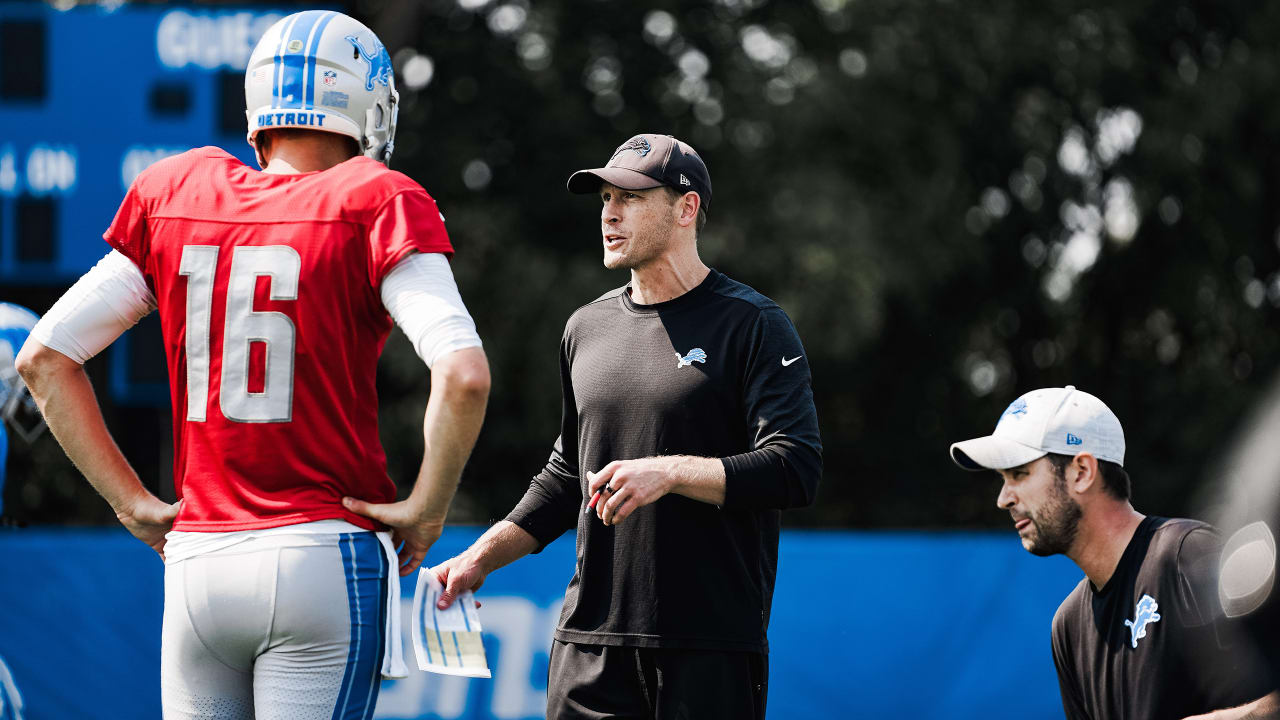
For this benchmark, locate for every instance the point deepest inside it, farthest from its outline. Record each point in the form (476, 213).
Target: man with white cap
(1143, 635)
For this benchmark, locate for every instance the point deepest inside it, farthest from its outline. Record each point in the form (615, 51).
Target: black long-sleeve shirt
(717, 372)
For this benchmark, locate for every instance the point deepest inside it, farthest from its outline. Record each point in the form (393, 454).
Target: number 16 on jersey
(242, 327)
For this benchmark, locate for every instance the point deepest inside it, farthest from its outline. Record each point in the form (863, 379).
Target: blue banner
(865, 625)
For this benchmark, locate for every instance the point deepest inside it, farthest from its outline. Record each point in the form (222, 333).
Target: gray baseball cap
(649, 161)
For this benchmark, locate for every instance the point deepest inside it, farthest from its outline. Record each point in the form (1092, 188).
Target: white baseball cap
(1049, 420)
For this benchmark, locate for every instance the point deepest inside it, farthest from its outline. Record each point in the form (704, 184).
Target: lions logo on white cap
(1063, 420)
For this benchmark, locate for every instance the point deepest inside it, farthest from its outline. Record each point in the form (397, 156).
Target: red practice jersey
(268, 293)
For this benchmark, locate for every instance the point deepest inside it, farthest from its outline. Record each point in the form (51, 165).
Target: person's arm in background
(785, 464)
(1264, 708)
(549, 507)
(108, 300)
(422, 297)
(501, 545)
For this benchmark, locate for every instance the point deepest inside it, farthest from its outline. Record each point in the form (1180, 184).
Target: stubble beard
(643, 247)
(1056, 524)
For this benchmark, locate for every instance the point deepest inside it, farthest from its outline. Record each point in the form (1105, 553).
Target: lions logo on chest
(1144, 614)
(695, 355)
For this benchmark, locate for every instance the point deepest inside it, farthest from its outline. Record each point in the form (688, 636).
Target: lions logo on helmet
(327, 50)
(379, 63)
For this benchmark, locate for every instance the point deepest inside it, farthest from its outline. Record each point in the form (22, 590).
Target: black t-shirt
(1153, 643)
(717, 372)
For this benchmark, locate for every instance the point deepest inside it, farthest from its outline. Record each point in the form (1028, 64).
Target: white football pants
(278, 628)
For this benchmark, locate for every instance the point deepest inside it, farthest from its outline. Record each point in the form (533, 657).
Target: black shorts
(593, 682)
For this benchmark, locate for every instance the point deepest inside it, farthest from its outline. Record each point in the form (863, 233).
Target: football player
(276, 290)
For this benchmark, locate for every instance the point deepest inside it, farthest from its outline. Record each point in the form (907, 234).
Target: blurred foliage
(955, 202)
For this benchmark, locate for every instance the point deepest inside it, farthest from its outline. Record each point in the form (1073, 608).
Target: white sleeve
(109, 299)
(423, 299)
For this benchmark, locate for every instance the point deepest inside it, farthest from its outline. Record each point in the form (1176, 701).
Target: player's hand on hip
(150, 519)
(629, 484)
(458, 574)
(410, 533)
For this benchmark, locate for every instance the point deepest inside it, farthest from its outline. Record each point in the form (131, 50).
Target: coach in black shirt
(688, 425)
(1143, 636)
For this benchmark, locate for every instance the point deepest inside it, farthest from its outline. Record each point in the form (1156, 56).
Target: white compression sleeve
(423, 299)
(109, 299)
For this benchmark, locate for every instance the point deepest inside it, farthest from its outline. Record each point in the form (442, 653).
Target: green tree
(955, 202)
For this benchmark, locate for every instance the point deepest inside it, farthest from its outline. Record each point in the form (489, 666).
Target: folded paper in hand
(446, 641)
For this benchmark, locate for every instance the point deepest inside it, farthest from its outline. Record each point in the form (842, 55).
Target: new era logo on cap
(1065, 421)
(653, 161)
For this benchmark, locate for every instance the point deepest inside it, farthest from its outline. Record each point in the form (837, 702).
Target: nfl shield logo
(330, 77)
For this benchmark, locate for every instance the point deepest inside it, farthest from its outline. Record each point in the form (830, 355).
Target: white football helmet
(17, 409)
(322, 70)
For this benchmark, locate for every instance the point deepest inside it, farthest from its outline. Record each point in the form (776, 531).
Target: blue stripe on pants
(366, 570)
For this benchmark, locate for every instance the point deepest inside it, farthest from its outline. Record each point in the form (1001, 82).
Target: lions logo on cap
(1017, 407)
(639, 144)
